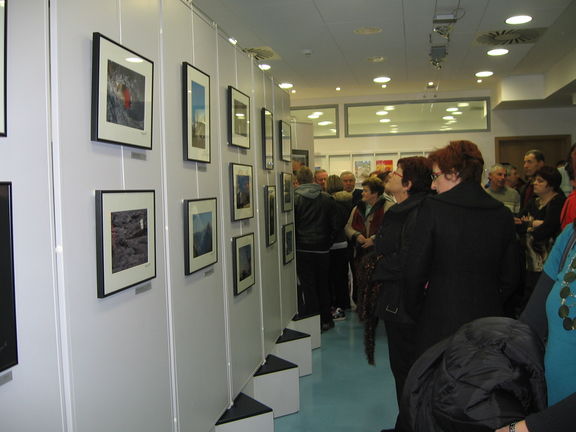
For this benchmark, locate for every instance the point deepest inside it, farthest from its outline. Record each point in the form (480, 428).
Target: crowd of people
(428, 248)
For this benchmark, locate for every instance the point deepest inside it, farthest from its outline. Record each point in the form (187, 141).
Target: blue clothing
(559, 361)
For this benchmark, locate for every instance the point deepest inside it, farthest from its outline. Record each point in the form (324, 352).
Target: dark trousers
(313, 289)
(401, 349)
(339, 295)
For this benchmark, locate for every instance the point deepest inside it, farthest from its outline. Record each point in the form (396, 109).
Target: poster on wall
(8, 346)
(385, 165)
(268, 139)
(3, 33)
(362, 170)
(196, 112)
(125, 239)
(241, 190)
(122, 91)
(286, 185)
(238, 118)
(244, 264)
(200, 234)
(288, 242)
(285, 133)
(270, 214)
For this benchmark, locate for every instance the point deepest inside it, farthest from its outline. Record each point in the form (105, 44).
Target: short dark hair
(418, 170)
(374, 184)
(460, 157)
(551, 175)
(334, 184)
(304, 175)
(538, 155)
(570, 161)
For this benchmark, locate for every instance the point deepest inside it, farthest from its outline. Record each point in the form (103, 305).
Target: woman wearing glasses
(463, 259)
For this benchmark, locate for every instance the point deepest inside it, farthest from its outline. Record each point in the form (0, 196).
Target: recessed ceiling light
(292, 91)
(324, 123)
(240, 115)
(232, 41)
(393, 131)
(448, 118)
(313, 116)
(285, 85)
(457, 113)
(134, 60)
(384, 85)
(479, 81)
(463, 104)
(484, 74)
(318, 113)
(333, 130)
(338, 89)
(386, 120)
(376, 59)
(382, 79)
(451, 109)
(518, 19)
(264, 66)
(390, 108)
(497, 52)
(368, 30)
(380, 113)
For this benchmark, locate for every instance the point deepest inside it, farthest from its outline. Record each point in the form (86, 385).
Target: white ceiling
(339, 56)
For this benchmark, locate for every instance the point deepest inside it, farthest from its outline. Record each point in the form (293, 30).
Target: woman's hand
(368, 243)
(520, 427)
(536, 223)
(360, 239)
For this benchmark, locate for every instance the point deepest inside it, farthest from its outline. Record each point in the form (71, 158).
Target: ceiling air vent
(262, 53)
(510, 37)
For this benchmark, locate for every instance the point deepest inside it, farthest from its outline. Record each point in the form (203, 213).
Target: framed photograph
(268, 139)
(300, 158)
(125, 239)
(238, 118)
(242, 193)
(200, 234)
(285, 141)
(286, 184)
(288, 242)
(244, 262)
(3, 34)
(196, 112)
(270, 214)
(122, 88)
(8, 345)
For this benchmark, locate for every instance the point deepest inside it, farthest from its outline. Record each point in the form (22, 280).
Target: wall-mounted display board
(8, 346)
(122, 89)
(3, 34)
(267, 139)
(200, 234)
(196, 113)
(238, 118)
(270, 214)
(244, 264)
(285, 140)
(241, 181)
(288, 242)
(286, 185)
(125, 239)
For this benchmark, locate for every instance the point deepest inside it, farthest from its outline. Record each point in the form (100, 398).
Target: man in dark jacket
(316, 227)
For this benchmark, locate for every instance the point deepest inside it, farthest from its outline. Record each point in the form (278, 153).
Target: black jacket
(489, 374)
(463, 261)
(315, 218)
(343, 207)
(391, 244)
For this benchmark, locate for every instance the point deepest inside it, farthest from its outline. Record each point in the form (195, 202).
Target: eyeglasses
(435, 175)
(398, 174)
(565, 292)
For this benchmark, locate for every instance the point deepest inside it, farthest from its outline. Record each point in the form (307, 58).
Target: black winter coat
(489, 374)
(462, 263)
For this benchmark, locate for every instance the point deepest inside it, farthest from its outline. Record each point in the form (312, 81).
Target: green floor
(345, 393)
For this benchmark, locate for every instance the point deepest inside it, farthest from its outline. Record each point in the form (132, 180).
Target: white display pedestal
(246, 415)
(277, 385)
(310, 325)
(296, 347)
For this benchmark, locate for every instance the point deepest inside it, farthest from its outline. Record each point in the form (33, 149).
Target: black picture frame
(241, 191)
(285, 139)
(270, 214)
(300, 158)
(200, 234)
(244, 259)
(8, 336)
(3, 57)
(238, 118)
(288, 245)
(286, 189)
(267, 138)
(196, 108)
(122, 93)
(125, 239)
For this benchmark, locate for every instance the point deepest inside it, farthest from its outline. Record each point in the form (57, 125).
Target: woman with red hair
(463, 259)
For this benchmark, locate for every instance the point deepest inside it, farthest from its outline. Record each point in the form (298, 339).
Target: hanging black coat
(489, 374)
(462, 263)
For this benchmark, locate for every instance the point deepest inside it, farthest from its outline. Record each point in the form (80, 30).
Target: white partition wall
(172, 353)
